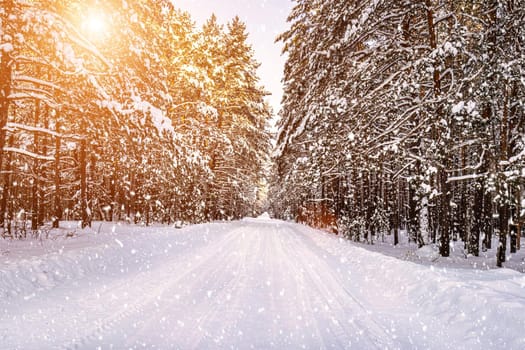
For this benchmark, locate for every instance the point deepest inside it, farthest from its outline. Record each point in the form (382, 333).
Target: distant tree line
(403, 114)
(152, 119)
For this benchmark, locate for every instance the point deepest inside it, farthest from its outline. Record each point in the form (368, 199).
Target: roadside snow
(429, 255)
(427, 252)
(256, 283)
(264, 216)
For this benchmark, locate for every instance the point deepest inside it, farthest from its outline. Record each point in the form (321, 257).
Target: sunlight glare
(94, 24)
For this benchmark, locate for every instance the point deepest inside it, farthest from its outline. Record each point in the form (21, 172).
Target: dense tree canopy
(405, 114)
(124, 109)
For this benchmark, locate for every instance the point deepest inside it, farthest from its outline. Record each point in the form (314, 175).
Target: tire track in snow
(205, 284)
(253, 284)
(220, 305)
(163, 277)
(297, 273)
(340, 300)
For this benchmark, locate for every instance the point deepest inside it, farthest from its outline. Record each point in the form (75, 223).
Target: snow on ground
(256, 283)
(459, 257)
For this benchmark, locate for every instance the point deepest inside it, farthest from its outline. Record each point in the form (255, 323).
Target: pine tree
(396, 112)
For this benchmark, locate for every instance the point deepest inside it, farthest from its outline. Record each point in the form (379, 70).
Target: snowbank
(467, 308)
(108, 250)
(264, 216)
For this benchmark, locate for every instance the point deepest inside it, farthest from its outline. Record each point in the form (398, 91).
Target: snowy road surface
(251, 284)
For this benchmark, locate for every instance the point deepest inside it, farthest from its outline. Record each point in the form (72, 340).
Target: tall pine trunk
(4, 203)
(57, 210)
(5, 91)
(503, 206)
(477, 227)
(85, 217)
(35, 186)
(442, 175)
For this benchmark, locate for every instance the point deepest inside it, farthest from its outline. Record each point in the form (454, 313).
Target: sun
(94, 24)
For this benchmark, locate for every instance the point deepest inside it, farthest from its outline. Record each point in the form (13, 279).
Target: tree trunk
(57, 212)
(445, 210)
(412, 220)
(477, 227)
(35, 203)
(444, 222)
(5, 84)
(423, 221)
(488, 226)
(5, 91)
(503, 230)
(4, 214)
(113, 192)
(371, 205)
(398, 203)
(503, 207)
(356, 207)
(85, 220)
(42, 210)
(462, 210)
(513, 231)
(433, 45)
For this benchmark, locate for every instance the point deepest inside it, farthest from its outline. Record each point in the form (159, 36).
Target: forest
(396, 115)
(126, 110)
(151, 197)
(405, 115)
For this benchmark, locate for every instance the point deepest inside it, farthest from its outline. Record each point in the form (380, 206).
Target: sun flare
(94, 24)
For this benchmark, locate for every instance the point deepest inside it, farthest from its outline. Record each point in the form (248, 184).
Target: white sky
(265, 19)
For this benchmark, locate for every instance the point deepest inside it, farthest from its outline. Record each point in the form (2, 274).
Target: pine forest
(405, 115)
(151, 120)
(262, 174)
(396, 116)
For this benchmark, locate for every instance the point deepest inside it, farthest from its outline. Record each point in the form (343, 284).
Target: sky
(265, 19)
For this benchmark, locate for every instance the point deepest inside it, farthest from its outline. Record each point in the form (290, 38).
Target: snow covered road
(255, 283)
